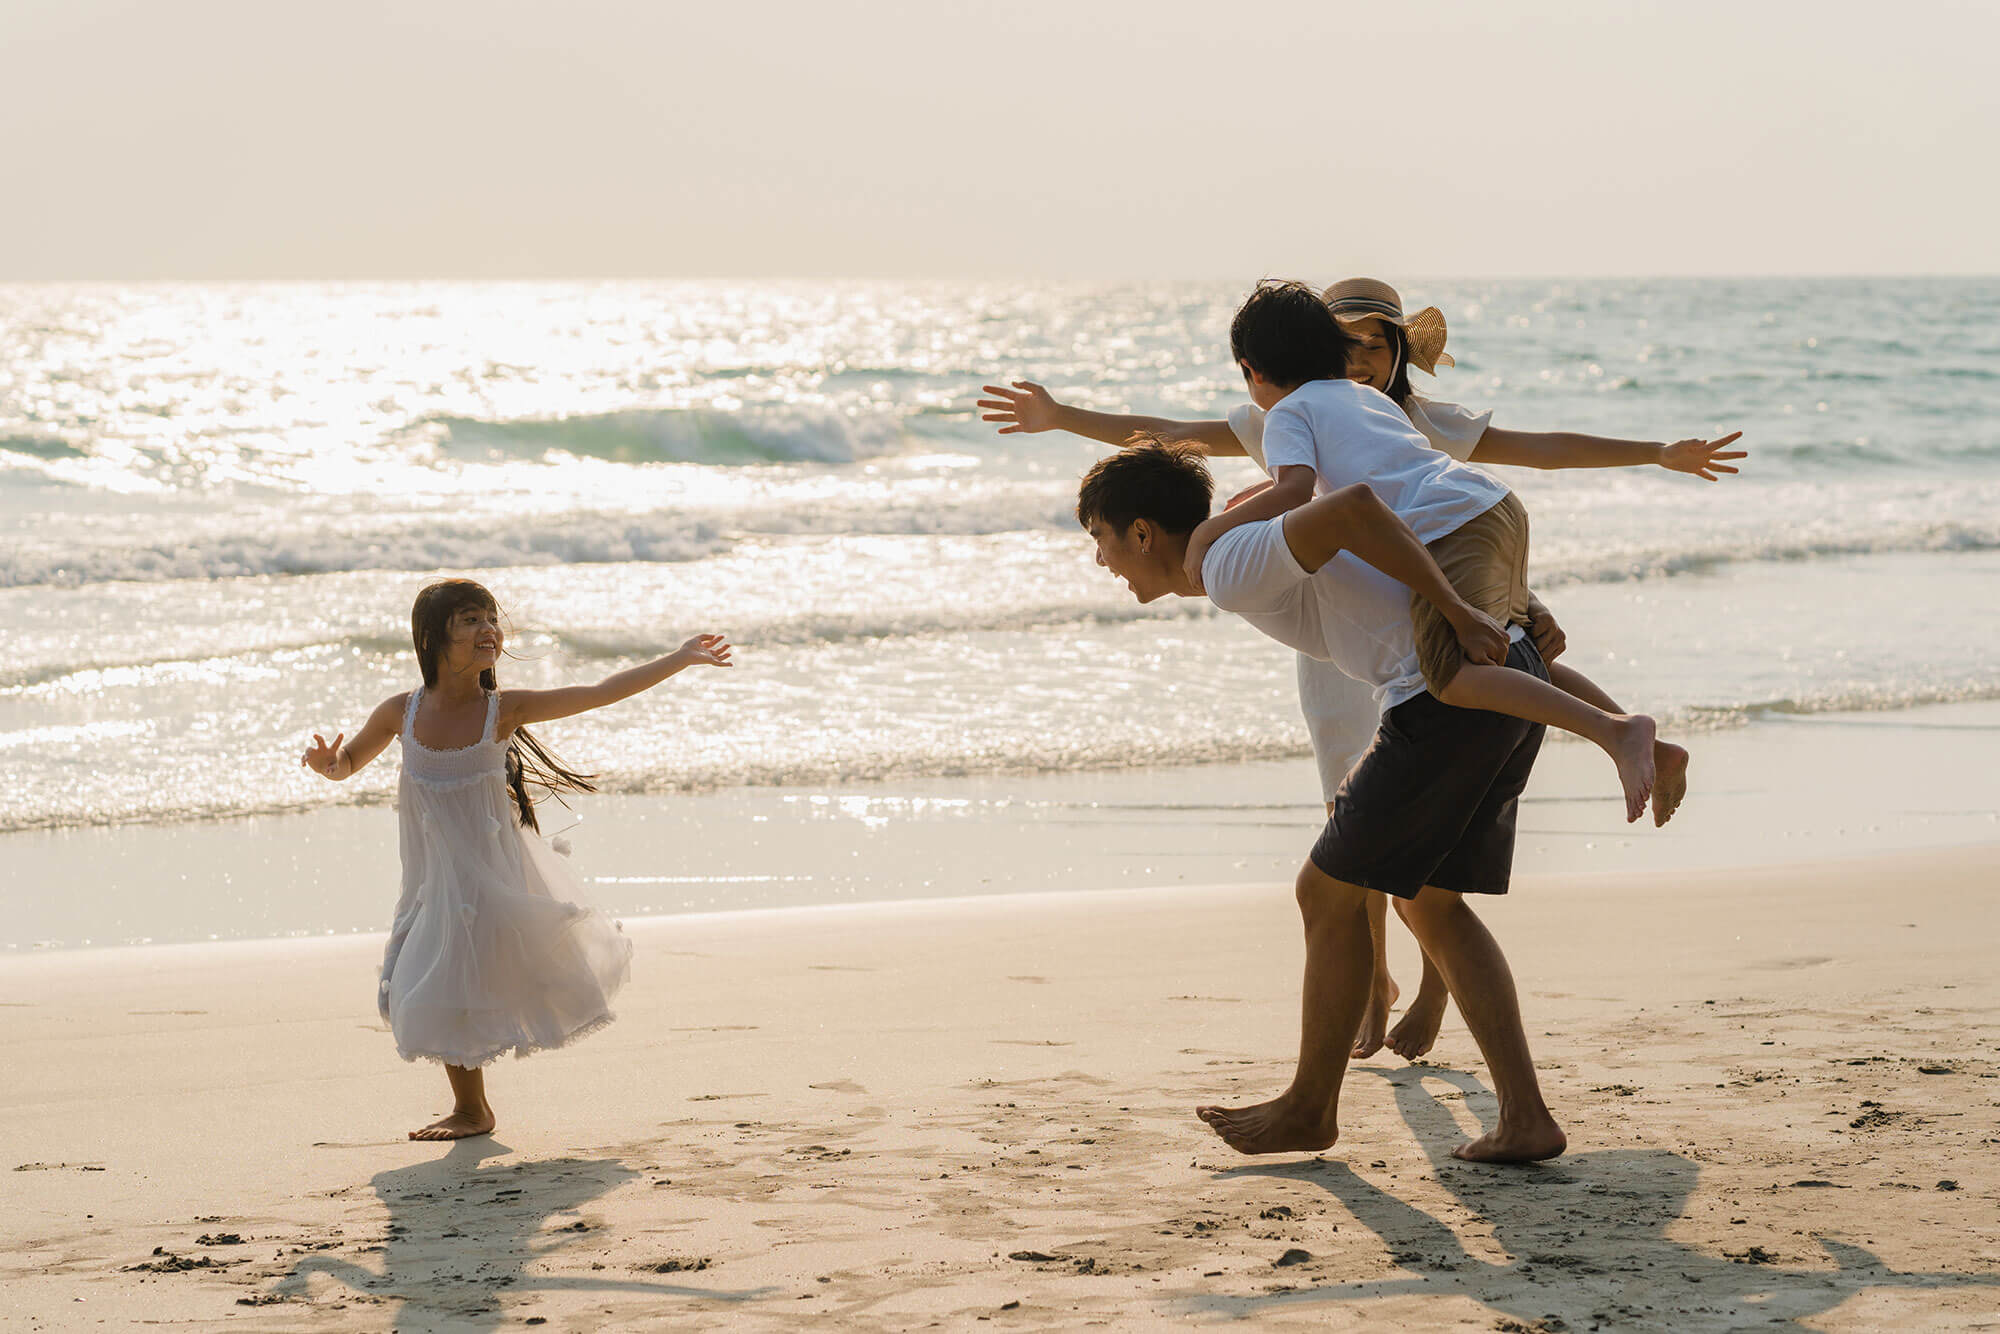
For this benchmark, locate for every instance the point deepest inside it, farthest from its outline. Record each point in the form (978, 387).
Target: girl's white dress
(489, 952)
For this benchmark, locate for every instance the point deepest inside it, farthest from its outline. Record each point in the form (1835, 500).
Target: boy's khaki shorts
(1486, 560)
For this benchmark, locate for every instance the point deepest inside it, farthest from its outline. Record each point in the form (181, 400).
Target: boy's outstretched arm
(521, 707)
(341, 762)
(1028, 407)
(1291, 488)
(1565, 449)
(1355, 519)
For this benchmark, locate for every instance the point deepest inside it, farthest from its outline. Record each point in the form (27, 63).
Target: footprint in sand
(721, 1097)
(839, 1086)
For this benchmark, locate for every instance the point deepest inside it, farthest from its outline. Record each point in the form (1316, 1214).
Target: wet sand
(1779, 1082)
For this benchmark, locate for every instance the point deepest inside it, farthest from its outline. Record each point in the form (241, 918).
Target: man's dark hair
(1285, 333)
(1159, 480)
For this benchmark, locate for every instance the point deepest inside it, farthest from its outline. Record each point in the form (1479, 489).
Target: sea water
(218, 501)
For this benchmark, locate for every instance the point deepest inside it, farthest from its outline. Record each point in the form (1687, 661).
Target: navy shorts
(1432, 800)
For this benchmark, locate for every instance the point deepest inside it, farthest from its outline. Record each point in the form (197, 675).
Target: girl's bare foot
(1417, 1032)
(1515, 1144)
(459, 1125)
(1277, 1126)
(1671, 761)
(1631, 749)
(1375, 1019)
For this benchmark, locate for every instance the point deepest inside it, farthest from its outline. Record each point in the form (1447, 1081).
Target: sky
(1074, 139)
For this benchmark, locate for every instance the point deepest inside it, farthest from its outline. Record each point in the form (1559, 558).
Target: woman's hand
(705, 651)
(1700, 458)
(1246, 493)
(1026, 407)
(320, 757)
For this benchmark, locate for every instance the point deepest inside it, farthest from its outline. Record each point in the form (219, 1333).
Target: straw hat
(1355, 299)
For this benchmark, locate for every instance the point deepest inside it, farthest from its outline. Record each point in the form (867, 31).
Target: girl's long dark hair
(528, 760)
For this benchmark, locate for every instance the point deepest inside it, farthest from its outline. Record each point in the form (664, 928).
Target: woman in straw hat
(1340, 713)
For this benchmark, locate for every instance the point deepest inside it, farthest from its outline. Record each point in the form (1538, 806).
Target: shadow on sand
(465, 1233)
(1588, 1237)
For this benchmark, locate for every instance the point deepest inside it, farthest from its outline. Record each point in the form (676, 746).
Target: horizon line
(968, 278)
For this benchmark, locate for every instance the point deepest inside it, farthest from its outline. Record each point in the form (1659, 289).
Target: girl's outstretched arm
(1028, 407)
(521, 707)
(1564, 449)
(340, 762)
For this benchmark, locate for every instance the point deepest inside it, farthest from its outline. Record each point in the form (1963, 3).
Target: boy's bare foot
(1276, 1126)
(1671, 761)
(1375, 1019)
(1632, 750)
(459, 1125)
(1417, 1032)
(1515, 1144)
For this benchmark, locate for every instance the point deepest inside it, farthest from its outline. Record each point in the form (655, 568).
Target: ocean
(220, 499)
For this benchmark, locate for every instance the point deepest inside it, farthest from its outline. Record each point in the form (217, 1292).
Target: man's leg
(1482, 984)
(1339, 959)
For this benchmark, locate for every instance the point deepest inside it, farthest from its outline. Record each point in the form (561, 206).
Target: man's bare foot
(1632, 750)
(1375, 1019)
(1672, 784)
(1515, 1144)
(1272, 1127)
(459, 1125)
(1417, 1032)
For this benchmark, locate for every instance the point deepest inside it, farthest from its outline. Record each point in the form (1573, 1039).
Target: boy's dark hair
(1285, 333)
(1156, 479)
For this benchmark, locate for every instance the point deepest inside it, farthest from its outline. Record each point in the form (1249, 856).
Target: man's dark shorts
(1432, 799)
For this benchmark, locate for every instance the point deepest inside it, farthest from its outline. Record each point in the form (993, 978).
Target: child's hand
(1702, 458)
(706, 651)
(1026, 407)
(1199, 541)
(1483, 638)
(320, 757)
(1549, 638)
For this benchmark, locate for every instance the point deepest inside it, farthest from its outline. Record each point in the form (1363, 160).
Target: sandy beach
(1779, 1085)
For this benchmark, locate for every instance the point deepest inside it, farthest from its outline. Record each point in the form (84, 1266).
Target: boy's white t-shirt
(1348, 433)
(1340, 709)
(1450, 427)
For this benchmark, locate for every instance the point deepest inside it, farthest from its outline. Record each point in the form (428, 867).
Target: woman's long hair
(1399, 382)
(528, 760)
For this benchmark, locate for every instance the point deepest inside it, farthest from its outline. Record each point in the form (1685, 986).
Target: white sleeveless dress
(489, 952)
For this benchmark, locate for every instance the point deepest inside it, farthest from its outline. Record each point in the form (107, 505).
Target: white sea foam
(217, 503)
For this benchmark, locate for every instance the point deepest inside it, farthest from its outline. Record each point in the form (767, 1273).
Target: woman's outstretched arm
(1028, 407)
(1567, 449)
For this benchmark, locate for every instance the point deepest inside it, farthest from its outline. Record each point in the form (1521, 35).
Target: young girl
(1340, 713)
(488, 952)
